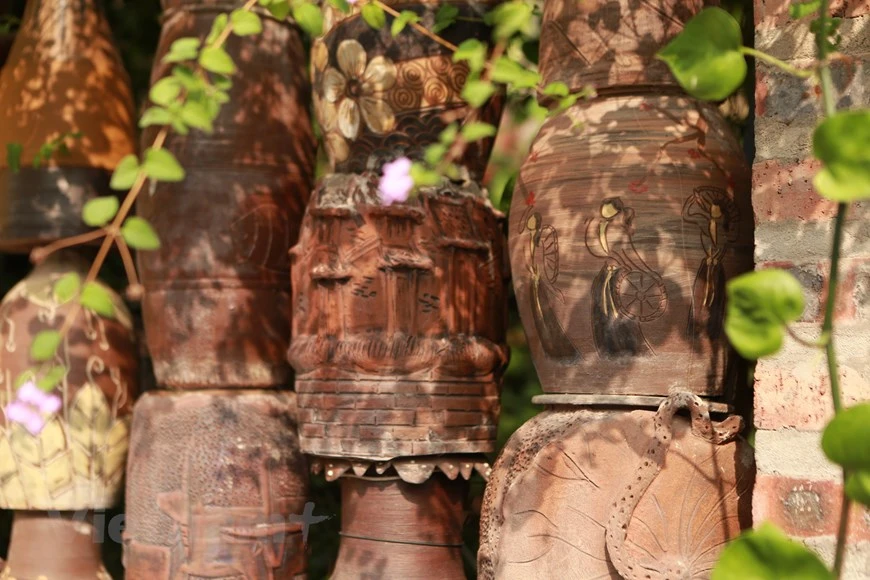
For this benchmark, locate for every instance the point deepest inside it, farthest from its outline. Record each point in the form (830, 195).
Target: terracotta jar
(393, 529)
(75, 463)
(217, 292)
(380, 97)
(399, 325)
(216, 487)
(63, 76)
(629, 216)
(615, 493)
(611, 44)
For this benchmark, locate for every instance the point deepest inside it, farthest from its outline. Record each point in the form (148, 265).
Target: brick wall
(796, 487)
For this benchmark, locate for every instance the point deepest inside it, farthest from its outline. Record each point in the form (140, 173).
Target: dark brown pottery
(399, 321)
(216, 306)
(629, 216)
(608, 493)
(393, 529)
(380, 97)
(77, 460)
(63, 76)
(215, 487)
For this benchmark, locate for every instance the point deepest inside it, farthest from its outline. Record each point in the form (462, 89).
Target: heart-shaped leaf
(98, 299)
(44, 345)
(139, 234)
(845, 438)
(99, 211)
(768, 554)
(842, 143)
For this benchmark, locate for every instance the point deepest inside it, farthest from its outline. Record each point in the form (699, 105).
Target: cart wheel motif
(640, 295)
(550, 251)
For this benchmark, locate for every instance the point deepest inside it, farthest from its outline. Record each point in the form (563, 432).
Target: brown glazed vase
(611, 44)
(77, 461)
(380, 97)
(570, 478)
(216, 305)
(399, 321)
(63, 76)
(629, 216)
(394, 529)
(215, 487)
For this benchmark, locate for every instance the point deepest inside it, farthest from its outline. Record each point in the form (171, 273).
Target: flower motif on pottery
(356, 90)
(31, 407)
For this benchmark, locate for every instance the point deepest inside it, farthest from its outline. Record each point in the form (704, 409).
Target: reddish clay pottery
(63, 76)
(629, 216)
(76, 461)
(610, 44)
(606, 493)
(393, 529)
(379, 97)
(216, 486)
(217, 292)
(399, 325)
(68, 538)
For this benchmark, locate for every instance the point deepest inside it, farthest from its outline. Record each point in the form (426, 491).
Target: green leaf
(98, 299)
(434, 154)
(556, 89)
(183, 49)
(155, 116)
(161, 165)
(197, 115)
(424, 176)
(190, 80)
(800, 9)
(22, 378)
(340, 5)
(67, 287)
(309, 18)
(858, 486)
(13, 156)
(44, 345)
(165, 91)
(510, 72)
(445, 16)
(374, 16)
(222, 83)
(215, 59)
(768, 554)
(845, 438)
(509, 18)
(448, 135)
(477, 130)
(759, 305)
(126, 173)
(217, 28)
(405, 18)
(245, 23)
(842, 143)
(474, 52)
(279, 9)
(50, 380)
(99, 211)
(705, 57)
(139, 234)
(477, 92)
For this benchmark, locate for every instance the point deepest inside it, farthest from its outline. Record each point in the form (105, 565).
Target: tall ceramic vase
(399, 312)
(63, 86)
(58, 462)
(217, 480)
(629, 215)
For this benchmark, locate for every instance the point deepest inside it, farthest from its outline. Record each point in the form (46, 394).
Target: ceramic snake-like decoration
(718, 433)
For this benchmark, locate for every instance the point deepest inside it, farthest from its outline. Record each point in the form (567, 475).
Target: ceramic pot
(399, 327)
(629, 216)
(614, 493)
(393, 529)
(63, 76)
(76, 461)
(216, 486)
(217, 292)
(611, 44)
(380, 97)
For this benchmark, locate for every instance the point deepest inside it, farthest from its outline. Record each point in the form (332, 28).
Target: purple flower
(31, 407)
(352, 2)
(396, 181)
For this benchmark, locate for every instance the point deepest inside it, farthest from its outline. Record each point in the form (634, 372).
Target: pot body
(629, 216)
(63, 76)
(380, 97)
(563, 474)
(77, 461)
(399, 326)
(216, 305)
(214, 482)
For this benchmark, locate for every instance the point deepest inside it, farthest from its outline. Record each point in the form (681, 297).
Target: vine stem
(793, 70)
(418, 27)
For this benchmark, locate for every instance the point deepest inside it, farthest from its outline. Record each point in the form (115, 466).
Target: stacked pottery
(65, 105)
(630, 213)
(217, 475)
(59, 461)
(400, 310)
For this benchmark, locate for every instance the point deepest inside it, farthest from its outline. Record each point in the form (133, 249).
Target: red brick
(427, 417)
(465, 403)
(464, 418)
(375, 402)
(312, 430)
(399, 387)
(805, 508)
(325, 401)
(336, 431)
(413, 401)
(395, 417)
(472, 388)
(783, 191)
(410, 433)
(771, 13)
(375, 432)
